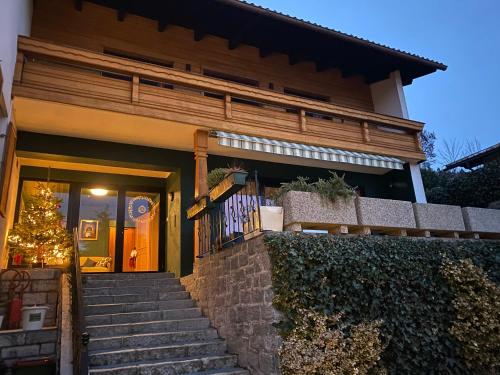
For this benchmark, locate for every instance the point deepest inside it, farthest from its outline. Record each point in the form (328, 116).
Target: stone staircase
(146, 323)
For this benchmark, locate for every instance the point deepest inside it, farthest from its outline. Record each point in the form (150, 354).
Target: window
(308, 95)
(139, 59)
(60, 190)
(235, 79)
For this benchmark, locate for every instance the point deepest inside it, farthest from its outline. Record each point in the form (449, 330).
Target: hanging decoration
(140, 209)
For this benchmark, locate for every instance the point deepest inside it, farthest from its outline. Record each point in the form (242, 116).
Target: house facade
(124, 106)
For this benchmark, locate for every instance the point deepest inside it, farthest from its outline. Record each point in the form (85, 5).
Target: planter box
(201, 206)
(227, 187)
(481, 219)
(309, 208)
(439, 217)
(381, 213)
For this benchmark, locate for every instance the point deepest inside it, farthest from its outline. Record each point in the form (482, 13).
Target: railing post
(365, 132)
(228, 109)
(135, 88)
(302, 120)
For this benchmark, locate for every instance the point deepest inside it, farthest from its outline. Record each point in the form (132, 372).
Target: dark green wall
(393, 185)
(65, 148)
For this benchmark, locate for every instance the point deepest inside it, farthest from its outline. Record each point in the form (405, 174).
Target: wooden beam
(265, 52)
(121, 13)
(295, 59)
(233, 43)
(79, 5)
(199, 35)
(162, 24)
(322, 66)
(302, 120)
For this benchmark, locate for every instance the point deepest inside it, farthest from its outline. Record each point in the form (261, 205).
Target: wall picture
(88, 230)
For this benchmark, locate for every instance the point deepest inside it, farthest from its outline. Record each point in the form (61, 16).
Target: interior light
(98, 192)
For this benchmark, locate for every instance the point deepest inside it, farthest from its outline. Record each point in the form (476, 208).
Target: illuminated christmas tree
(39, 235)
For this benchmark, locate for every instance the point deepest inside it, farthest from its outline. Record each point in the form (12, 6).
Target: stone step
(223, 371)
(185, 350)
(191, 365)
(142, 316)
(132, 298)
(116, 308)
(128, 275)
(151, 339)
(149, 283)
(148, 327)
(106, 291)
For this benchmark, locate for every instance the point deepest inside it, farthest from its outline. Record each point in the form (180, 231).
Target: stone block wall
(18, 345)
(234, 290)
(44, 290)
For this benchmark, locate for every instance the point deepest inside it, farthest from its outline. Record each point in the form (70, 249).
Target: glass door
(141, 231)
(97, 229)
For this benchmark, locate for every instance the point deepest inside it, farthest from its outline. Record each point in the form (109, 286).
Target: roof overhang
(272, 32)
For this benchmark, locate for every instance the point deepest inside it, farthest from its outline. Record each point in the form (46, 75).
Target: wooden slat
(130, 67)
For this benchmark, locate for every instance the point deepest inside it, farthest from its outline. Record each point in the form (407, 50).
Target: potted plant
(224, 182)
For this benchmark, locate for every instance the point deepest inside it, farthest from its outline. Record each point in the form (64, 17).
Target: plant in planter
(39, 236)
(224, 182)
(331, 189)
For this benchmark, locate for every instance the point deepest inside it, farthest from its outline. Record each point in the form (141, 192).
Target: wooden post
(302, 120)
(228, 110)
(200, 179)
(135, 88)
(200, 156)
(366, 132)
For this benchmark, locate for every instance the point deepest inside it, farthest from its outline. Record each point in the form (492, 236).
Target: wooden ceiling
(271, 32)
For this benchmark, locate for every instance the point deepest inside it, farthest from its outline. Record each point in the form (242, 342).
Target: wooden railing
(66, 74)
(80, 335)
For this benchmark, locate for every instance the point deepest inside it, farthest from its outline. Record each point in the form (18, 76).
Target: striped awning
(299, 150)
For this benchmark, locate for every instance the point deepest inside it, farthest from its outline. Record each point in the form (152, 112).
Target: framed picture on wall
(88, 230)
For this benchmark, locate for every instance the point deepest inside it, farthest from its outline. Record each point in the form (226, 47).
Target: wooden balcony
(52, 72)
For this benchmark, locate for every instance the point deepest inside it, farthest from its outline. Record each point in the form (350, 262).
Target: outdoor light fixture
(98, 192)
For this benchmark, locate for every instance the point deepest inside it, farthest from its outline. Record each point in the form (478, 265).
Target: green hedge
(396, 280)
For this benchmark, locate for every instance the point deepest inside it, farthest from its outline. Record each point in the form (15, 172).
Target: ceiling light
(99, 192)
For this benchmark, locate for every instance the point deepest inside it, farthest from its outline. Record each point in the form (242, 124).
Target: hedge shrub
(398, 281)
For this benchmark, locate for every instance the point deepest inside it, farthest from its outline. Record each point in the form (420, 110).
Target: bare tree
(451, 151)
(471, 147)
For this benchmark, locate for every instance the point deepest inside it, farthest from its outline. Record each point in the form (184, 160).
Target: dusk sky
(464, 101)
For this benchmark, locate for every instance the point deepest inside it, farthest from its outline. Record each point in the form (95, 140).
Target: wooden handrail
(82, 57)
(80, 335)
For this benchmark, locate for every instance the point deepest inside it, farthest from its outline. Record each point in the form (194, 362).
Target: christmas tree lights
(39, 235)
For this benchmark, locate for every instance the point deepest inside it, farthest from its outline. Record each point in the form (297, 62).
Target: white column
(389, 98)
(418, 185)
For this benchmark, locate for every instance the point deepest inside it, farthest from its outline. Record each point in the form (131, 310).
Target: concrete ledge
(309, 208)
(438, 217)
(385, 213)
(482, 220)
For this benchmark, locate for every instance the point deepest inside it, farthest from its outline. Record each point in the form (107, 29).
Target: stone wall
(234, 290)
(18, 345)
(44, 290)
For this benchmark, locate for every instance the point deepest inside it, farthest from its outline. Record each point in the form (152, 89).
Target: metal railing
(232, 221)
(80, 335)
